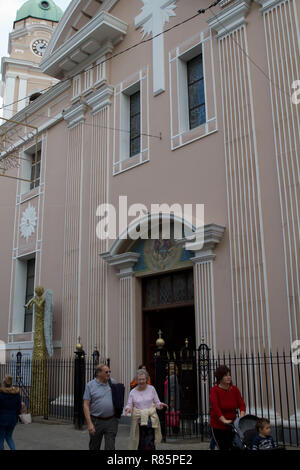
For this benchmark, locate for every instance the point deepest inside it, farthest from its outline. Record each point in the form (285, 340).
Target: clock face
(39, 46)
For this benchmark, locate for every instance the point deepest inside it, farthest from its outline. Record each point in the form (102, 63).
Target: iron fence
(269, 384)
(53, 388)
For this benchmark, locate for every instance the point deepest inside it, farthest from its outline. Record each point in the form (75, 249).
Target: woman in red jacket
(225, 400)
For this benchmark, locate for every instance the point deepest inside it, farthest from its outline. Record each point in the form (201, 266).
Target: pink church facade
(236, 152)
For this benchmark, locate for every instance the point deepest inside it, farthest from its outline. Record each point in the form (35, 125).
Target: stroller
(245, 431)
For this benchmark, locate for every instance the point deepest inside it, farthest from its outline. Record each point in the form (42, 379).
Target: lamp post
(160, 373)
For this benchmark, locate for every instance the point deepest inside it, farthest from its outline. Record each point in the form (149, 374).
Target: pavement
(57, 436)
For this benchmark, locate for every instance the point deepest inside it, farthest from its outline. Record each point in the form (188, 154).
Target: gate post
(203, 387)
(160, 375)
(19, 368)
(79, 385)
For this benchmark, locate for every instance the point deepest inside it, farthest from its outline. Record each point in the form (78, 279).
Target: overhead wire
(199, 12)
(117, 54)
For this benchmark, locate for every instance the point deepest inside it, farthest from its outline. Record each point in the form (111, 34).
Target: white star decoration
(148, 9)
(154, 14)
(28, 222)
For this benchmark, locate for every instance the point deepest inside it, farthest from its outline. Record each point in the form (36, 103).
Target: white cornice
(224, 3)
(75, 5)
(75, 114)
(100, 52)
(212, 236)
(232, 17)
(34, 27)
(101, 29)
(100, 99)
(29, 28)
(41, 101)
(17, 63)
(267, 4)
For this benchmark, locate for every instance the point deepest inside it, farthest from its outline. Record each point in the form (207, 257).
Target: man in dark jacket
(99, 409)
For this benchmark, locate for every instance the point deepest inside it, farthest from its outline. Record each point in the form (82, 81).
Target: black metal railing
(61, 383)
(269, 384)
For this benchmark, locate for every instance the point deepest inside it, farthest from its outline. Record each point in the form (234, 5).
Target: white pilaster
(22, 94)
(8, 98)
(204, 286)
(124, 264)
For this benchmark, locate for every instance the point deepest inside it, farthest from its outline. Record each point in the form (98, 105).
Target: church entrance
(168, 305)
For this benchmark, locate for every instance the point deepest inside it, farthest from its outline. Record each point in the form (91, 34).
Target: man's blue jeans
(6, 434)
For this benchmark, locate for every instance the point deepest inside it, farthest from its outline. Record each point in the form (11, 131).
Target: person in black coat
(10, 408)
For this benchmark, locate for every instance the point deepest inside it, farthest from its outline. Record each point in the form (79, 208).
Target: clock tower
(21, 75)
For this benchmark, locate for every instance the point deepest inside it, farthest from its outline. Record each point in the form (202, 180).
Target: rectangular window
(131, 139)
(29, 294)
(35, 170)
(196, 94)
(135, 123)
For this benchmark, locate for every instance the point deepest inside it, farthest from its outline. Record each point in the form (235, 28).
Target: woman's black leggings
(223, 438)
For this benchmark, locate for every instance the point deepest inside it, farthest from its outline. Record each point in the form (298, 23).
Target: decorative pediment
(72, 47)
(230, 18)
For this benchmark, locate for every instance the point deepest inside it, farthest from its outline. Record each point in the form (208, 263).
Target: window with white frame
(76, 86)
(131, 122)
(88, 78)
(35, 169)
(135, 123)
(192, 90)
(31, 168)
(195, 84)
(23, 292)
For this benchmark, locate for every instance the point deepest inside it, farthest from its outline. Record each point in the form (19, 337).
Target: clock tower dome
(22, 78)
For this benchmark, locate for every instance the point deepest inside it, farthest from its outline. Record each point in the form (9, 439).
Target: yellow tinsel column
(39, 403)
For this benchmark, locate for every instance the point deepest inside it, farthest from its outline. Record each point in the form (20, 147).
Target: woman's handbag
(172, 419)
(25, 418)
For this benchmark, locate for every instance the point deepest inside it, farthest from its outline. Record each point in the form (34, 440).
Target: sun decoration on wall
(28, 222)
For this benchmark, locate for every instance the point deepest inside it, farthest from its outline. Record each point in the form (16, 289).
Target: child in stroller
(253, 433)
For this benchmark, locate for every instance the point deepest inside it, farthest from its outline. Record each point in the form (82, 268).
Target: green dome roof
(42, 9)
